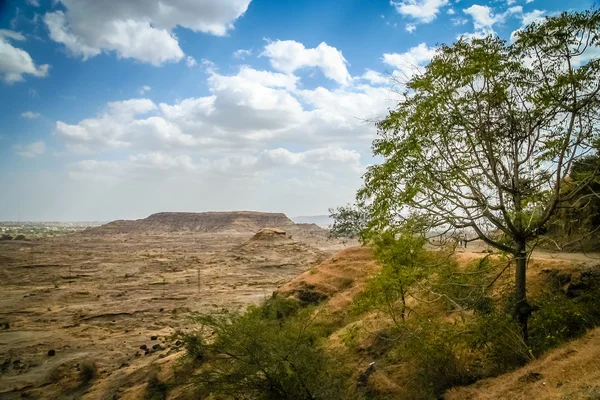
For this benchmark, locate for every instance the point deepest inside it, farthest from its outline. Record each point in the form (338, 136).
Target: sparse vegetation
(87, 371)
(156, 389)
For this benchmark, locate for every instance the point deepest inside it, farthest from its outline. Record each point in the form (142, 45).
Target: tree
(404, 260)
(485, 137)
(349, 221)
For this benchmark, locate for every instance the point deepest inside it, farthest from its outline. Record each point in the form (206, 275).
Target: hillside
(275, 248)
(569, 372)
(205, 222)
(337, 279)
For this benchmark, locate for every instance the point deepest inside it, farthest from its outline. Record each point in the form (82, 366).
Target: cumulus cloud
(256, 140)
(15, 62)
(289, 56)
(257, 132)
(375, 78)
(251, 109)
(423, 11)
(484, 18)
(31, 150)
(138, 29)
(410, 62)
(30, 115)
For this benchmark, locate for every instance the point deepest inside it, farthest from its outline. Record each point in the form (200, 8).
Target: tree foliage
(349, 221)
(269, 352)
(484, 139)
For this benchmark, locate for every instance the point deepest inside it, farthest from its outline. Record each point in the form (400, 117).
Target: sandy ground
(100, 298)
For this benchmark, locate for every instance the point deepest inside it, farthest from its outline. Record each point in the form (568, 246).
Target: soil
(102, 297)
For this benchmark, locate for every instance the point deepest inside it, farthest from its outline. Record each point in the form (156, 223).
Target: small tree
(349, 221)
(404, 261)
(486, 136)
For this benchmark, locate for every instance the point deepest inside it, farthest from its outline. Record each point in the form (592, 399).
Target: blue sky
(118, 109)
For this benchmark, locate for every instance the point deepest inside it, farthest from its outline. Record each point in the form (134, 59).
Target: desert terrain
(113, 294)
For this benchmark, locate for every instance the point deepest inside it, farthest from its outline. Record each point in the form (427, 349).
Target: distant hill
(324, 221)
(227, 221)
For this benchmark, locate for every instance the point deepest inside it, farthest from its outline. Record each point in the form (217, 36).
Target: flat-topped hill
(226, 221)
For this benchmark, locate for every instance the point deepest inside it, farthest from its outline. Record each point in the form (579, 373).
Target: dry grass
(569, 372)
(339, 278)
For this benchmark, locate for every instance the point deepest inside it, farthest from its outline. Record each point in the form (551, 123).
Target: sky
(117, 109)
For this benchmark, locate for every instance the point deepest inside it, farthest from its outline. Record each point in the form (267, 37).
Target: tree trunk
(522, 309)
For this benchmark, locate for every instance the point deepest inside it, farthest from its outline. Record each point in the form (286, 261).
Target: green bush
(559, 318)
(263, 355)
(496, 338)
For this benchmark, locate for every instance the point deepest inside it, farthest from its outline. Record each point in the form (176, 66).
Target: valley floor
(102, 297)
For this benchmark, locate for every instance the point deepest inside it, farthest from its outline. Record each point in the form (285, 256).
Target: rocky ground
(113, 299)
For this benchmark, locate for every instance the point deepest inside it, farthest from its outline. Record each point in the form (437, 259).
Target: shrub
(262, 355)
(559, 318)
(193, 343)
(497, 340)
(156, 389)
(87, 371)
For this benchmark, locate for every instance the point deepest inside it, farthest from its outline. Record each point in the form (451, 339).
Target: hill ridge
(209, 221)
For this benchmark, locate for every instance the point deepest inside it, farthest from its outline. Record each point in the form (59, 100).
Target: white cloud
(289, 56)
(375, 78)
(451, 11)
(33, 3)
(248, 110)
(534, 16)
(410, 62)
(423, 11)
(112, 129)
(15, 62)
(31, 150)
(410, 28)
(526, 19)
(484, 18)
(138, 29)
(144, 89)
(257, 139)
(267, 161)
(190, 61)
(30, 115)
(241, 54)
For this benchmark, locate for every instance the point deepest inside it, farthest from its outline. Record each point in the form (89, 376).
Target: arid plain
(112, 295)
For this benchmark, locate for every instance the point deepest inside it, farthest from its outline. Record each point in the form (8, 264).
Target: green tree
(404, 261)
(349, 221)
(485, 136)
